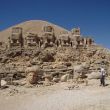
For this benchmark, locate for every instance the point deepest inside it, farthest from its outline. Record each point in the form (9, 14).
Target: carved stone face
(32, 78)
(48, 29)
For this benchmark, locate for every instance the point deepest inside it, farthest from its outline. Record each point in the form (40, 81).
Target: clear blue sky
(92, 16)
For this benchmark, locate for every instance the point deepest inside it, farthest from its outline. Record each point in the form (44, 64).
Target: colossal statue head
(16, 38)
(76, 33)
(48, 28)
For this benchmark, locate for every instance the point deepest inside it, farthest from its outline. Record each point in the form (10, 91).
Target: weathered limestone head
(75, 31)
(31, 78)
(64, 35)
(32, 74)
(16, 38)
(30, 34)
(81, 67)
(65, 78)
(16, 33)
(31, 39)
(17, 30)
(48, 28)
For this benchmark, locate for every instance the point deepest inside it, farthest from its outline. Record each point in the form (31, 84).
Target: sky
(92, 16)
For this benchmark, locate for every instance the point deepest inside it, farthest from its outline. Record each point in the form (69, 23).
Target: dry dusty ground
(56, 97)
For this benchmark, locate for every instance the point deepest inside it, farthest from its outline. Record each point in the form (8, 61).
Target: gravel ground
(56, 97)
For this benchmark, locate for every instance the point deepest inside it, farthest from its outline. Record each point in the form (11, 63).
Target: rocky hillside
(55, 61)
(52, 60)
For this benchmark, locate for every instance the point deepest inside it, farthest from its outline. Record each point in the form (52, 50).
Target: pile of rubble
(50, 65)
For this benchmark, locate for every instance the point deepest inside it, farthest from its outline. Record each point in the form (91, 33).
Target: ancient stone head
(32, 78)
(32, 74)
(48, 28)
(75, 31)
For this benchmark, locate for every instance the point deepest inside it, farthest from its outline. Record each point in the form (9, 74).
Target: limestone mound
(34, 26)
